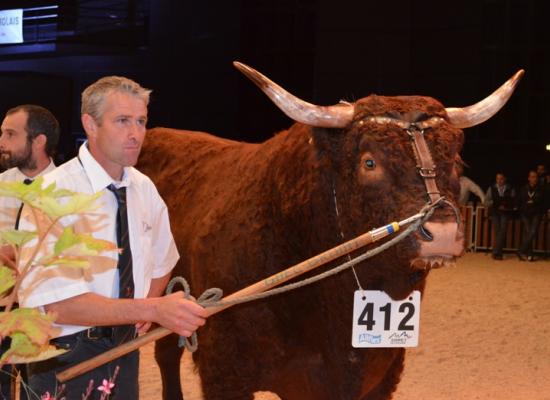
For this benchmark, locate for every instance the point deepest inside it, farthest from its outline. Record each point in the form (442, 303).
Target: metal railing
(479, 235)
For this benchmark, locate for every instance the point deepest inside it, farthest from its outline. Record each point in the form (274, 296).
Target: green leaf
(67, 239)
(21, 191)
(44, 354)
(17, 238)
(29, 321)
(70, 243)
(46, 199)
(23, 350)
(7, 279)
(75, 262)
(21, 345)
(78, 203)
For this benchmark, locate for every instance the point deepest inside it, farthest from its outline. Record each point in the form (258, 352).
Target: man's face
(15, 146)
(541, 170)
(500, 179)
(116, 139)
(532, 178)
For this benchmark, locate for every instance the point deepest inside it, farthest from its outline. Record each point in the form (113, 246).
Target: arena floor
(485, 334)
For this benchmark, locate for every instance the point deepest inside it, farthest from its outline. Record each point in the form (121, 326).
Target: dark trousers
(530, 228)
(42, 375)
(500, 224)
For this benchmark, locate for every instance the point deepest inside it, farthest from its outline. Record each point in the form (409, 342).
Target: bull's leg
(388, 384)
(168, 357)
(304, 377)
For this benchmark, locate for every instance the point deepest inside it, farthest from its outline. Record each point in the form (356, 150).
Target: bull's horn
(337, 116)
(473, 115)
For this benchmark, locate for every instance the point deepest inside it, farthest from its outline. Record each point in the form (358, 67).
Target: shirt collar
(51, 166)
(99, 178)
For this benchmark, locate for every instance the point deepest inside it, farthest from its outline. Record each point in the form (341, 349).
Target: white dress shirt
(9, 206)
(154, 252)
(467, 186)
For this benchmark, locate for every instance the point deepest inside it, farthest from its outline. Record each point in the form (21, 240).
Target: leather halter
(424, 161)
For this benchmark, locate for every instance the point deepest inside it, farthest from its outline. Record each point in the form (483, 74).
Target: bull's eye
(370, 163)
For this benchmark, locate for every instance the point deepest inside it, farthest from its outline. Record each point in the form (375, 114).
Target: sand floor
(485, 334)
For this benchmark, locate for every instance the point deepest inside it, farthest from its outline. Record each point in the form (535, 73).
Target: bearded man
(28, 139)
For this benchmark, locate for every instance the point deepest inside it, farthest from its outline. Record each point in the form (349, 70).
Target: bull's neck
(300, 181)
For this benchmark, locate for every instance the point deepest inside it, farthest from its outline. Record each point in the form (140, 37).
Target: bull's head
(394, 155)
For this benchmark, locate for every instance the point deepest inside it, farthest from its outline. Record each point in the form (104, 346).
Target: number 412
(366, 317)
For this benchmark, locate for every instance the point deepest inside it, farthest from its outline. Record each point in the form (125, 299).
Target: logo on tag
(400, 338)
(368, 338)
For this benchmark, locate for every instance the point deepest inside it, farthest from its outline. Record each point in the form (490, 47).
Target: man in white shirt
(102, 306)
(467, 186)
(28, 138)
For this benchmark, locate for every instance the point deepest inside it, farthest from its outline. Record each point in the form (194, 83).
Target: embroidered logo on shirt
(146, 227)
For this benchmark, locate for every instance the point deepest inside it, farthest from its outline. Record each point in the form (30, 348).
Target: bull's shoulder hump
(170, 135)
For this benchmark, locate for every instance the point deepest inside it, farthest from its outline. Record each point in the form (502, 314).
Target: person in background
(541, 174)
(500, 200)
(531, 209)
(468, 186)
(28, 139)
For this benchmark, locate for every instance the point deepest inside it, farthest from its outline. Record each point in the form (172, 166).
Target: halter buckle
(413, 128)
(427, 172)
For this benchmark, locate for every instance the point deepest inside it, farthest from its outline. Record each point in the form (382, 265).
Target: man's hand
(178, 314)
(143, 327)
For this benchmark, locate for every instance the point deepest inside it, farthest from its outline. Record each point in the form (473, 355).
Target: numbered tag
(379, 321)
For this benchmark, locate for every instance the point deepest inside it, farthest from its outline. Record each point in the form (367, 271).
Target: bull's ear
(475, 114)
(337, 116)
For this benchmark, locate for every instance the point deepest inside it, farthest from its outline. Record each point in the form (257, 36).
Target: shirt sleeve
(46, 285)
(474, 188)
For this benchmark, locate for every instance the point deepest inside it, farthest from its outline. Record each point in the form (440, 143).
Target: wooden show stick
(258, 287)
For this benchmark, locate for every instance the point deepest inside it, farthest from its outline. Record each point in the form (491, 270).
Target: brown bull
(241, 212)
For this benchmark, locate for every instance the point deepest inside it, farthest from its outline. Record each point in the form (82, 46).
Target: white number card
(379, 321)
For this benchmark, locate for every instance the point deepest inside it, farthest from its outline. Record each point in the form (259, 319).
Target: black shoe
(522, 257)
(497, 257)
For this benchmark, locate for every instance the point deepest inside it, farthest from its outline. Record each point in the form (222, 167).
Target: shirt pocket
(144, 258)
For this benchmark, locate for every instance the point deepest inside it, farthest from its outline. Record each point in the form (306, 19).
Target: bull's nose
(426, 234)
(447, 240)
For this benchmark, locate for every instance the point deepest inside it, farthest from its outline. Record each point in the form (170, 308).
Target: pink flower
(106, 386)
(47, 396)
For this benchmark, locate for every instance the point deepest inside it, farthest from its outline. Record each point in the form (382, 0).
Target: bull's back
(188, 167)
(205, 182)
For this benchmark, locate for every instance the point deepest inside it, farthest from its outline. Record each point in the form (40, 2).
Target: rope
(212, 297)
(209, 296)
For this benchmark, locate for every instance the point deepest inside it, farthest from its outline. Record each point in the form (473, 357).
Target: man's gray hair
(94, 95)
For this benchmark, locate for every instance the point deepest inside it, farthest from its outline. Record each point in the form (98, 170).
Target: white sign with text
(11, 26)
(379, 321)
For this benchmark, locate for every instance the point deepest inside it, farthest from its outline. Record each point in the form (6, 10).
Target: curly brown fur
(241, 212)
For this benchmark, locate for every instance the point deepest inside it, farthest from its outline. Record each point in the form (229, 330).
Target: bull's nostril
(426, 233)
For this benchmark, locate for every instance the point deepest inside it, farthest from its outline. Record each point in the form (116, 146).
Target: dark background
(321, 50)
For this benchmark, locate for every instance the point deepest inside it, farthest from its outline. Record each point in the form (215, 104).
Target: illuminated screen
(11, 26)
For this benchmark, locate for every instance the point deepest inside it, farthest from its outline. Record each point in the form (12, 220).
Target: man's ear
(40, 141)
(89, 124)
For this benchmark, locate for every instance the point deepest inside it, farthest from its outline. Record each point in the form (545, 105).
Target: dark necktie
(123, 333)
(26, 181)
